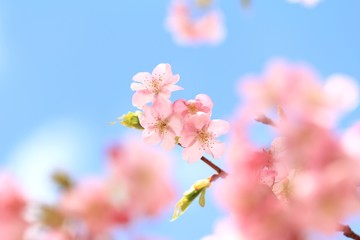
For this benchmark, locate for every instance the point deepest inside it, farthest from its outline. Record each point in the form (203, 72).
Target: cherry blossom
(193, 31)
(201, 103)
(160, 124)
(225, 229)
(140, 179)
(89, 202)
(198, 135)
(154, 86)
(298, 90)
(12, 209)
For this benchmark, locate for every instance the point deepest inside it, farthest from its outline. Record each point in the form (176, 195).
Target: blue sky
(66, 67)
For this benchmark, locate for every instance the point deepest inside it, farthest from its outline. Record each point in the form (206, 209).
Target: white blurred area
(58, 145)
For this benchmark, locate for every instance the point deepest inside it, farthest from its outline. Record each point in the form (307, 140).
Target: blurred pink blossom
(12, 209)
(225, 229)
(299, 92)
(140, 179)
(189, 30)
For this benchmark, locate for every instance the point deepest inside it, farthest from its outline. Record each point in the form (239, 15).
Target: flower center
(161, 126)
(155, 85)
(205, 138)
(192, 108)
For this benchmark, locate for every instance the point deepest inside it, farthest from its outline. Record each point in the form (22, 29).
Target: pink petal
(174, 79)
(137, 86)
(193, 153)
(199, 120)
(141, 77)
(217, 149)
(151, 136)
(205, 100)
(163, 107)
(168, 142)
(179, 106)
(218, 127)
(147, 117)
(141, 98)
(173, 88)
(162, 70)
(175, 124)
(164, 94)
(187, 140)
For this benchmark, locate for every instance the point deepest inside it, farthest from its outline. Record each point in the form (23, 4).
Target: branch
(348, 232)
(221, 173)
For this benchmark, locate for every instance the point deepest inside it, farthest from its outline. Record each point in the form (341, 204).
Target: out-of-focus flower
(90, 202)
(307, 3)
(343, 91)
(160, 124)
(201, 103)
(298, 91)
(12, 209)
(140, 179)
(351, 141)
(225, 229)
(154, 86)
(199, 134)
(307, 179)
(189, 30)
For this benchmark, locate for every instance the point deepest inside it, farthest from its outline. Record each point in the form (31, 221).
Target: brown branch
(221, 173)
(348, 232)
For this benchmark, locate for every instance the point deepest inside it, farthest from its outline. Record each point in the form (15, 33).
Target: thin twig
(220, 171)
(348, 232)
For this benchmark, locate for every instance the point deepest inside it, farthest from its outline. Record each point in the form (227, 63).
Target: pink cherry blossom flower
(154, 86)
(12, 209)
(89, 202)
(140, 179)
(225, 229)
(160, 124)
(185, 29)
(202, 103)
(299, 92)
(198, 135)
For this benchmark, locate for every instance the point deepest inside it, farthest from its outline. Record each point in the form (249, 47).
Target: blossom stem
(221, 172)
(348, 232)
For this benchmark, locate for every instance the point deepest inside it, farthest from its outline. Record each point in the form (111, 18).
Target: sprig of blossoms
(307, 180)
(184, 122)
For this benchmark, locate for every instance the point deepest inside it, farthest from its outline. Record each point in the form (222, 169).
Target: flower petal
(142, 97)
(193, 153)
(217, 149)
(141, 77)
(219, 127)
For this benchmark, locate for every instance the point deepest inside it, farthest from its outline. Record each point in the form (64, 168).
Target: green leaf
(202, 198)
(198, 188)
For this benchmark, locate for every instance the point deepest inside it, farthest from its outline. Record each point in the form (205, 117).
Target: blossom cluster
(184, 122)
(306, 180)
(208, 28)
(199, 22)
(137, 186)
